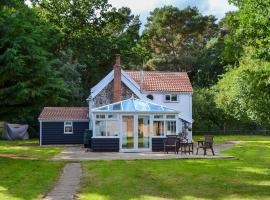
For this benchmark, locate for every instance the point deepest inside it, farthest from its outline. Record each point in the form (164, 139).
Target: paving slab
(78, 153)
(68, 184)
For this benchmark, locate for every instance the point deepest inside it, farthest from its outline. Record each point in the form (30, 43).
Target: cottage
(128, 111)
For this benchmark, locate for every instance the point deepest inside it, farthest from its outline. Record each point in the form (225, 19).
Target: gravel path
(68, 184)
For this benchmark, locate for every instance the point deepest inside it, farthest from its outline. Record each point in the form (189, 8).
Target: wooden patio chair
(171, 142)
(183, 137)
(206, 144)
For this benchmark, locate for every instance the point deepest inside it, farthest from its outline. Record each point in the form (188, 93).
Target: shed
(63, 125)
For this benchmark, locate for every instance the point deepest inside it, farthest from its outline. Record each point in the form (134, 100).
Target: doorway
(135, 133)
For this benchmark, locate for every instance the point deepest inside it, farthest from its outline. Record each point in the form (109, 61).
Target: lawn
(223, 138)
(28, 177)
(246, 178)
(29, 148)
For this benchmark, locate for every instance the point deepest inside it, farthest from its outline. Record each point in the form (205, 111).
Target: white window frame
(116, 119)
(164, 120)
(68, 125)
(170, 101)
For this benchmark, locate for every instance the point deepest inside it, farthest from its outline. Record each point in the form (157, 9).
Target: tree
(27, 78)
(71, 71)
(95, 32)
(212, 61)
(175, 37)
(244, 89)
(249, 27)
(243, 92)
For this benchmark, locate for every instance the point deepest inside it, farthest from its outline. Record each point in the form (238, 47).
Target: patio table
(186, 147)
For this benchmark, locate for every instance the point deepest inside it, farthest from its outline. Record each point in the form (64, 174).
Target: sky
(217, 8)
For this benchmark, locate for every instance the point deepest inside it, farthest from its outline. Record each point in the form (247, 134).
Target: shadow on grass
(246, 178)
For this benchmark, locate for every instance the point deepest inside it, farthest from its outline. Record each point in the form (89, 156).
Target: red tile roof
(64, 113)
(163, 81)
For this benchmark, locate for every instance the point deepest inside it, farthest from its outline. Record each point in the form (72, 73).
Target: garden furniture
(171, 142)
(186, 147)
(207, 143)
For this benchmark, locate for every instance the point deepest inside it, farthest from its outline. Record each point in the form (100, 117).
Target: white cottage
(135, 110)
(128, 111)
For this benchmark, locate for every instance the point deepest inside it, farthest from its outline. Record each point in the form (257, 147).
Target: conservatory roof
(135, 105)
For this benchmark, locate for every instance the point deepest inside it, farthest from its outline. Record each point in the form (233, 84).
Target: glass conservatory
(132, 125)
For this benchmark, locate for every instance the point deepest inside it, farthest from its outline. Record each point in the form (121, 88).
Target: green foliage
(175, 37)
(71, 71)
(243, 92)
(94, 31)
(250, 27)
(210, 64)
(205, 114)
(208, 117)
(27, 79)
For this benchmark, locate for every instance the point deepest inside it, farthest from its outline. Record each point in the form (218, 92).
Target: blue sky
(217, 8)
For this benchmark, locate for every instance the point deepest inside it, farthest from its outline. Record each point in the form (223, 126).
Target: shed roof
(64, 113)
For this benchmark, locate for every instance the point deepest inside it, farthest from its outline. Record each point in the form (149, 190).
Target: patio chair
(171, 142)
(183, 137)
(206, 144)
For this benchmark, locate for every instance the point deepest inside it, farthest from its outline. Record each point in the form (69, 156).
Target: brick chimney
(117, 90)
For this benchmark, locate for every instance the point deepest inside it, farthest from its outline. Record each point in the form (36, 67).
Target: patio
(78, 153)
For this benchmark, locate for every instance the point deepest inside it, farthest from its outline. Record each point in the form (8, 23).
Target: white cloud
(217, 8)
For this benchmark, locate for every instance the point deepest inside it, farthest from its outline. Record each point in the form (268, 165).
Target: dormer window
(171, 98)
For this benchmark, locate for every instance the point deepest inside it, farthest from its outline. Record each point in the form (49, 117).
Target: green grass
(28, 148)
(246, 178)
(27, 179)
(22, 179)
(223, 138)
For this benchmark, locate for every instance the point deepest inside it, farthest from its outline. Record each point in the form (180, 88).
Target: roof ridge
(155, 71)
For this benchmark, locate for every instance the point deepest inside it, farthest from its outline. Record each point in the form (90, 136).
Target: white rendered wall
(184, 104)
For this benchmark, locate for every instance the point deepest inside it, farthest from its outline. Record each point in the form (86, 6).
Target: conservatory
(132, 125)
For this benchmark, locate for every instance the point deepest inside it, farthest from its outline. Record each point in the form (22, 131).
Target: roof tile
(64, 113)
(163, 81)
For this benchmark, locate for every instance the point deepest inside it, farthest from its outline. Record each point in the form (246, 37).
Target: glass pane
(128, 105)
(100, 128)
(128, 132)
(100, 116)
(68, 123)
(174, 97)
(158, 116)
(170, 116)
(143, 131)
(117, 106)
(167, 97)
(168, 109)
(170, 127)
(103, 108)
(158, 128)
(68, 129)
(112, 128)
(141, 106)
(112, 116)
(154, 107)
